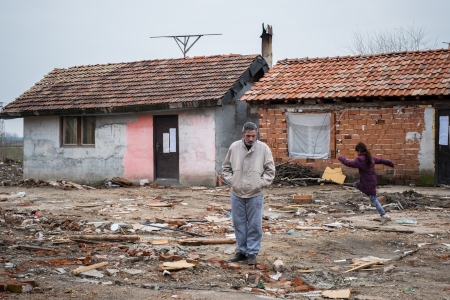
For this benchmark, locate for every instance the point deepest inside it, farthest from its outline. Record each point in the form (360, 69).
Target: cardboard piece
(337, 294)
(334, 175)
(175, 266)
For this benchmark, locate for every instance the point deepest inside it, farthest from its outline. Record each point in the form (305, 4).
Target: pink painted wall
(138, 159)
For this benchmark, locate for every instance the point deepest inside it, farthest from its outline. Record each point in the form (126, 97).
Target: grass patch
(11, 153)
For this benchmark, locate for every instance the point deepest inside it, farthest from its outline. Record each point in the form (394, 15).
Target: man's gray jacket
(248, 171)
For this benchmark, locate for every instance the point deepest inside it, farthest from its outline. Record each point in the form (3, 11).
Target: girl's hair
(363, 149)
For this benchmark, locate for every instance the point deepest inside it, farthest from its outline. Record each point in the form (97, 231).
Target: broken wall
(401, 133)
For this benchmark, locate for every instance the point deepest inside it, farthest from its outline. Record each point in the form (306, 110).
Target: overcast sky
(38, 36)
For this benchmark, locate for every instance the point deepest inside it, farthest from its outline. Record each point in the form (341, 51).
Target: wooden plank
(110, 237)
(34, 248)
(375, 262)
(159, 204)
(91, 267)
(386, 229)
(206, 241)
(303, 199)
(308, 228)
(175, 266)
(171, 221)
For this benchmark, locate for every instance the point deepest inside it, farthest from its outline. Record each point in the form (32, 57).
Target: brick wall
(387, 132)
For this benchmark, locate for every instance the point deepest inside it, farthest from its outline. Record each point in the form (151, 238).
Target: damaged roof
(417, 74)
(139, 86)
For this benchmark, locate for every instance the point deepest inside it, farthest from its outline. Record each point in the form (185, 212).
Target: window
(78, 131)
(309, 135)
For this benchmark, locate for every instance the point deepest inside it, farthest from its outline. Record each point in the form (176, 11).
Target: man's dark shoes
(251, 259)
(239, 256)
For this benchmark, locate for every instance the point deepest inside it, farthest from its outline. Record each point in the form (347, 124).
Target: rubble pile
(289, 173)
(11, 173)
(163, 240)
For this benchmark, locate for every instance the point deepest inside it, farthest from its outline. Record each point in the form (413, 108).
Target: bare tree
(384, 41)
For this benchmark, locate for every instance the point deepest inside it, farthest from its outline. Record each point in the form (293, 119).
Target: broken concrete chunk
(278, 265)
(112, 272)
(93, 273)
(133, 271)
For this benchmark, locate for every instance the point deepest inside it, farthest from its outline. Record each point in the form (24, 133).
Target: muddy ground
(42, 242)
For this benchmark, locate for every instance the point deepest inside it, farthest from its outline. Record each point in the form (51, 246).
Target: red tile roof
(403, 74)
(119, 86)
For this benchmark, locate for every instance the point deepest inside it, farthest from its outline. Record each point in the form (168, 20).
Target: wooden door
(443, 147)
(166, 147)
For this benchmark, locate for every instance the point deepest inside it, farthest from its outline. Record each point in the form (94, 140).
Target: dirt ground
(306, 249)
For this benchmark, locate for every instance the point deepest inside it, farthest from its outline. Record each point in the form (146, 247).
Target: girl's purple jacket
(367, 182)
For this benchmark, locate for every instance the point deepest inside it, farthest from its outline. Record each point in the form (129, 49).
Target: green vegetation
(426, 178)
(11, 153)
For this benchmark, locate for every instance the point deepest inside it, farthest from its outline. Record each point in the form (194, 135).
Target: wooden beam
(375, 262)
(110, 237)
(88, 268)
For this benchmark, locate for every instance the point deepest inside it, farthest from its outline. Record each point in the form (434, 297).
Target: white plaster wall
(44, 158)
(197, 147)
(427, 150)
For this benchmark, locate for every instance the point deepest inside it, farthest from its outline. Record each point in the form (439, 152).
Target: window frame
(324, 133)
(79, 131)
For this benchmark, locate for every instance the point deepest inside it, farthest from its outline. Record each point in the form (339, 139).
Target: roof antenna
(185, 40)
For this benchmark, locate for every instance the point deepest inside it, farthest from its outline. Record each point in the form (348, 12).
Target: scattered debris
(290, 173)
(67, 229)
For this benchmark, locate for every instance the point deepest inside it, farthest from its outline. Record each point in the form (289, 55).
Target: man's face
(250, 137)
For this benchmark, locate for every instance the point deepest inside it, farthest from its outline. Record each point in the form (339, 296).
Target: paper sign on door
(443, 130)
(170, 141)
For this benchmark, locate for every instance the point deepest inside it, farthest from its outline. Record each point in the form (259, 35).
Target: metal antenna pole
(2, 134)
(183, 40)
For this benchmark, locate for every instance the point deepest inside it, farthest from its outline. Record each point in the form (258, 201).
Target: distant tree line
(12, 137)
(399, 39)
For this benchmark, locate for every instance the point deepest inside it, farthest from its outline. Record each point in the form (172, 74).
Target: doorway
(166, 147)
(443, 147)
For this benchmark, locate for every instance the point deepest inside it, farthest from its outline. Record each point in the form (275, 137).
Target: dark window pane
(88, 128)
(70, 131)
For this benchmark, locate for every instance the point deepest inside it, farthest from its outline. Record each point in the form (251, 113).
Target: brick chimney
(266, 44)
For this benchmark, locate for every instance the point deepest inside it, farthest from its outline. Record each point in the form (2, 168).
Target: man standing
(248, 168)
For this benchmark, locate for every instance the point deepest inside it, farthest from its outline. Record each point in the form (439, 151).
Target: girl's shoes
(385, 218)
